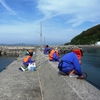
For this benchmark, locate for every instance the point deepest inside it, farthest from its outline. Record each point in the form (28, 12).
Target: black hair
(47, 46)
(81, 52)
(31, 54)
(49, 51)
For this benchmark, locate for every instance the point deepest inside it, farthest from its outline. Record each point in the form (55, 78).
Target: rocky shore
(66, 49)
(18, 50)
(14, 50)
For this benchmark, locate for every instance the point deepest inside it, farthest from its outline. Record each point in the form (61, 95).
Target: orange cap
(30, 51)
(78, 53)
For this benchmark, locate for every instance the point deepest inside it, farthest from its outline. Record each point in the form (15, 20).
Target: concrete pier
(43, 84)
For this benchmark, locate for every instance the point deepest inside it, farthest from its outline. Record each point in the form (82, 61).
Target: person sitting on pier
(70, 63)
(54, 55)
(46, 49)
(27, 60)
(26, 52)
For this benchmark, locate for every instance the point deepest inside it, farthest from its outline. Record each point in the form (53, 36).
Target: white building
(97, 43)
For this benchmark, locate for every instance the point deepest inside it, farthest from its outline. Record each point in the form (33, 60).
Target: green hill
(90, 36)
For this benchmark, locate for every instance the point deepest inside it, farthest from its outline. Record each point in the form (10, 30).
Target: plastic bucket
(32, 69)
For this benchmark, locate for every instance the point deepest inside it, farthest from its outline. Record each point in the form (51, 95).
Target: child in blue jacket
(46, 49)
(70, 63)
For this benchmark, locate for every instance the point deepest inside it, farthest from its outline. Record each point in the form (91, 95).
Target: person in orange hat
(70, 63)
(79, 54)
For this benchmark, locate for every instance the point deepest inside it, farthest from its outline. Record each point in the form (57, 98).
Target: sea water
(5, 61)
(91, 65)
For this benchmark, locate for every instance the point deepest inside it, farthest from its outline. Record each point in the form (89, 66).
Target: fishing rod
(40, 58)
(85, 77)
(84, 74)
(93, 84)
(42, 63)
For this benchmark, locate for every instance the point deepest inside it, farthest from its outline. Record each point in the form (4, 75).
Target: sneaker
(22, 69)
(73, 75)
(61, 73)
(25, 69)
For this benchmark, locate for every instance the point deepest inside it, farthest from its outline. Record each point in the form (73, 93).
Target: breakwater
(67, 48)
(14, 50)
(17, 50)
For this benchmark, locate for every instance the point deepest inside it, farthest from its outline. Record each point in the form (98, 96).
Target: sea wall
(65, 49)
(14, 50)
(17, 50)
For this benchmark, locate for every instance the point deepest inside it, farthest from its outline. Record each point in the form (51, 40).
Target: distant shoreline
(89, 46)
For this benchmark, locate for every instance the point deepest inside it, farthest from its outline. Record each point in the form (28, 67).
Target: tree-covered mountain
(90, 36)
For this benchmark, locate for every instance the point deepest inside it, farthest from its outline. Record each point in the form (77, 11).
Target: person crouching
(54, 55)
(70, 63)
(27, 60)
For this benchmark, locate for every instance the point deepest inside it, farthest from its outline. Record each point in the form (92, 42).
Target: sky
(46, 21)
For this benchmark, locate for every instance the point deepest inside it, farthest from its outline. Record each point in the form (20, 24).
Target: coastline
(17, 51)
(89, 46)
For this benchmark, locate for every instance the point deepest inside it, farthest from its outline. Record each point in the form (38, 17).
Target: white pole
(41, 35)
(44, 41)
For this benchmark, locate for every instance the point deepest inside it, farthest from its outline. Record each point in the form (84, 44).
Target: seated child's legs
(25, 64)
(72, 72)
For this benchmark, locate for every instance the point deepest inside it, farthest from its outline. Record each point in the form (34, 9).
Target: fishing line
(84, 74)
(42, 63)
(40, 58)
(85, 77)
(37, 60)
(93, 84)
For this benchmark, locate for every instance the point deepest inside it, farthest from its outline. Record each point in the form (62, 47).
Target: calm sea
(91, 65)
(5, 61)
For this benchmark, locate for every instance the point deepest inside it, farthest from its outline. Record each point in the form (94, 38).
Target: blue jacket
(69, 62)
(46, 49)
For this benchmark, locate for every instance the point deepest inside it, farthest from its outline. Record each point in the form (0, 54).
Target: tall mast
(44, 41)
(41, 36)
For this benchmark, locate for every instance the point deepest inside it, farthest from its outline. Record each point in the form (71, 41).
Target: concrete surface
(43, 84)
(57, 87)
(19, 85)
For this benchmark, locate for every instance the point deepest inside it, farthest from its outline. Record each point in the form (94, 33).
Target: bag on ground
(32, 67)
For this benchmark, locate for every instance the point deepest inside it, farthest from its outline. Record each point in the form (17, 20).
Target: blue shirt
(70, 62)
(46, 49)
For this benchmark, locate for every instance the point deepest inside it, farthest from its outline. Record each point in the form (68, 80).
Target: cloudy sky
(22, 21)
